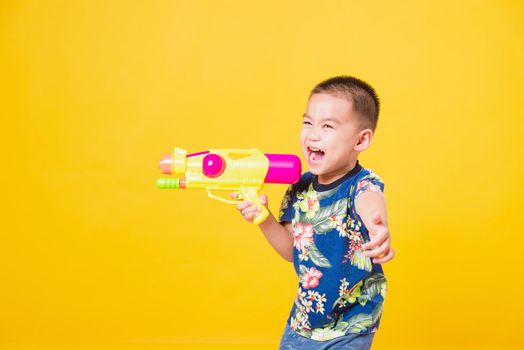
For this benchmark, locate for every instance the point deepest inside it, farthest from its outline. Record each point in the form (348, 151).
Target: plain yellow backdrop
(93, 93)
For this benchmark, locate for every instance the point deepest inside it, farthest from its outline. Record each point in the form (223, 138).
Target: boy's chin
(315, 169)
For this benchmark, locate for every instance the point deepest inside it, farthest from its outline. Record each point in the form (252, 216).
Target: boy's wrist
(268, 222)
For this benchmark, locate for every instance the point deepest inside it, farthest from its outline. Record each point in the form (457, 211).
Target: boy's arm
(280, 236)
(371, 207)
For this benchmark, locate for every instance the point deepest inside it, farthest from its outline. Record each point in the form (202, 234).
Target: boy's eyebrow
(324, 120)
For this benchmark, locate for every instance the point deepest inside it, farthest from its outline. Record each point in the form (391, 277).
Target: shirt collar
(325, 187)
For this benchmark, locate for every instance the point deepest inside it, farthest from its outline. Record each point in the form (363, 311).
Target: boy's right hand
(249, 211)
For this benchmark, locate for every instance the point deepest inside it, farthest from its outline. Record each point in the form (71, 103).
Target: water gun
(243, 171)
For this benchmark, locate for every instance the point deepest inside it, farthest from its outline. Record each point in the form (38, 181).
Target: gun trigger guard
(222, 199)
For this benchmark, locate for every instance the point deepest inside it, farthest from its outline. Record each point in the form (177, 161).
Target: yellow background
(93, 93)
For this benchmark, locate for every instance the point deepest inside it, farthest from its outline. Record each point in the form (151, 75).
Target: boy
(332, 224)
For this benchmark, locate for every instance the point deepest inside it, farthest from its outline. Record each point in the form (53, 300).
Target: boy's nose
(313, 135)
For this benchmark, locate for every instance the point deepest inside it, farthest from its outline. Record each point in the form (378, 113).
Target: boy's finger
(243, 205)
(377, 252)
(263, 199)
(236, 195)
(249, 210)
(377, 240)
(378, 227)
(250, 217)
(389, 256)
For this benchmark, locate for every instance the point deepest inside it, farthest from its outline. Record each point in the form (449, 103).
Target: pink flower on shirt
(362, 184)
(303, 236)
(311, 278)
(366, 185)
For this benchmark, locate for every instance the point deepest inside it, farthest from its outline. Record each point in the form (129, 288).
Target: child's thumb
(263, 199)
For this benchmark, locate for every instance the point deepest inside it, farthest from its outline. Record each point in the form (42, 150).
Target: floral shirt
(340, 290)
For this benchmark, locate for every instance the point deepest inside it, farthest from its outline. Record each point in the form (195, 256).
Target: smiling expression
(330, 136)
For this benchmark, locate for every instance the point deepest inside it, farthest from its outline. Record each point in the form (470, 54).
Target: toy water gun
(241, 170)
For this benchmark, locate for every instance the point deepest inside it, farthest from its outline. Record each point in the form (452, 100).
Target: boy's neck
(326, 179)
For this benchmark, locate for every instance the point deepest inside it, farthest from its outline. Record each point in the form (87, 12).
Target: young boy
(332, 224)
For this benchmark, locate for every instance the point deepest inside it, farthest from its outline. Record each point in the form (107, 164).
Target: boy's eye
(327, 126)
(305, 122)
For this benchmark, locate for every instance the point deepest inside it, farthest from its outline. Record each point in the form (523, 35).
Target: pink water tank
(283, 169)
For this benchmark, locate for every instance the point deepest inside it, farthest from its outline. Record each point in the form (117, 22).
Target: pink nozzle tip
(166, 164)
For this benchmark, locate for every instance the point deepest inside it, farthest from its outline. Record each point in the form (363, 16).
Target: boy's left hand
(379, 245)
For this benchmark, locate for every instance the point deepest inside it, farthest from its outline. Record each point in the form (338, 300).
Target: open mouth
(315, 155)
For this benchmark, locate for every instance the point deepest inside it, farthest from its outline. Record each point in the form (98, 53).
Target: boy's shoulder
(368, 175)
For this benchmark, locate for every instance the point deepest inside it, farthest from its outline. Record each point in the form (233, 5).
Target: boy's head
(363, 97)
(339, 122)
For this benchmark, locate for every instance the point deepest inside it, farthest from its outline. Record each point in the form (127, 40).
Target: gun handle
(251, 194)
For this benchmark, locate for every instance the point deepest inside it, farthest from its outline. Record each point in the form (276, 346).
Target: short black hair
(364, 98)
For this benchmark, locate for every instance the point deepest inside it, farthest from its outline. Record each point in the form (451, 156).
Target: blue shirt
(340, 291)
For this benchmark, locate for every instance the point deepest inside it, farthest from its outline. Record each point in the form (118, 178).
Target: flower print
(304, 255)
(369, 183)
(333, 221)
(361, 261)
(336, 222)
(348, 296)
(310, 204)
(307, 304)
(355, 245)
(354, 225)
(303, 236)
(343, 289)
(310, 302)
(354, 293)
(285, 202)
(304, 303)
(320, 300)
(313, 295)
(295, 322)
(301, 294)
(342, 229)
(311, 278)
(363, 184)
(300, 322)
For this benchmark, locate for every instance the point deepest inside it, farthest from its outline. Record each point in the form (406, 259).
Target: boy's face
(330, 131)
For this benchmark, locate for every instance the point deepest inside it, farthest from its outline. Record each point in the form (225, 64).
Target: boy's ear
(365, 137)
